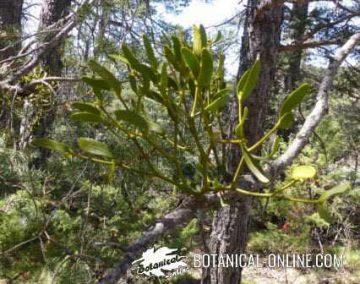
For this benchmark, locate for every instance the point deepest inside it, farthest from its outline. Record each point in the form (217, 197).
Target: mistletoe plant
(187, 86)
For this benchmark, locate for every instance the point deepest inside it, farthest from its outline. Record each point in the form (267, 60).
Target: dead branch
(10, 83)
(170, 222)
(321, 26)
(320, 109)
(309, 44)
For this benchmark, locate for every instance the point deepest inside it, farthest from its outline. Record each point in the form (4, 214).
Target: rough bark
(297, 28)
(52, 12)
(10, 33)
(228, 236)
(261, 38)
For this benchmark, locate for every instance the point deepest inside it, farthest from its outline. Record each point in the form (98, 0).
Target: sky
(209, 14)
(214, 12)
(32, 16)
(201, 12)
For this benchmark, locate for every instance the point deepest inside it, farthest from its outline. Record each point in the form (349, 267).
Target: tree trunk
(10, 22)
(10, 33)
(261, 38)
(297, 28)
(52, 12)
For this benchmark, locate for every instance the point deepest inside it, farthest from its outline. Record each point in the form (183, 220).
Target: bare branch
(310, 44)
(41, 50)
(29, 88)
(321, 26)
(69, 23)
(170, 222)
(22, 54)
(320, 108)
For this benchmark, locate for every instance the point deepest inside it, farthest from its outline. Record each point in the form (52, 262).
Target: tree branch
(25, 69)
(321, 26)
(70, 22)
(23, 91)
(170, 222)
(310, 44)
(320, 108)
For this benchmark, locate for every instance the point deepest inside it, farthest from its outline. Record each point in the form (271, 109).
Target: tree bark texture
(297, 28)
(10, 34)
(261, 38)
(228, 236)
(52, 12)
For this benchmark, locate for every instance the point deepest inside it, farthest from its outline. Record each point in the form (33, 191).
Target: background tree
(10, 18)
(37, 116)
(10, 15)
(52, 11)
